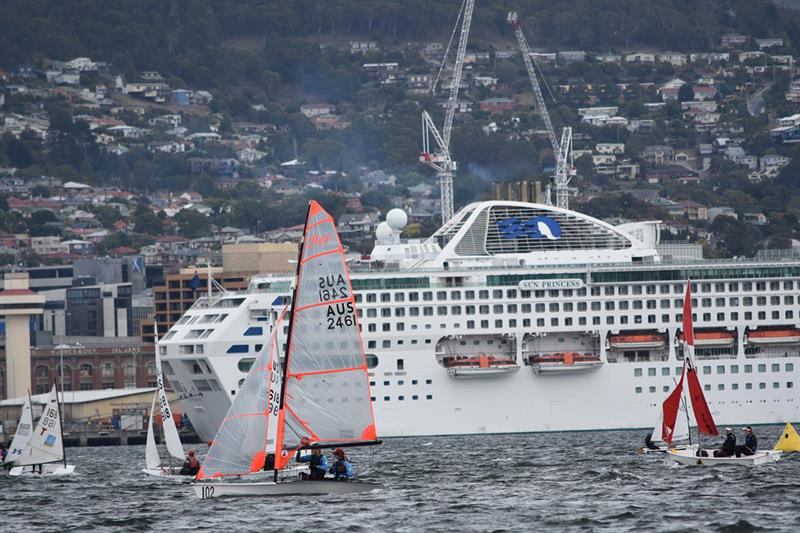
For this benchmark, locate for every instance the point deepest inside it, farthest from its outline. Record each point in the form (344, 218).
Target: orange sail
(326, 398)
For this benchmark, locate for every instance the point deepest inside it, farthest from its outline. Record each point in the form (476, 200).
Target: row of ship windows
(733, 369)
(567, 307)
(401, 382)
(610, 290)
(583, 321)
(721, 387)
(401, 398)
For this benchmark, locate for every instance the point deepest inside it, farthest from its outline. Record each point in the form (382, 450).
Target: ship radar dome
(396, 219)
(383, 231)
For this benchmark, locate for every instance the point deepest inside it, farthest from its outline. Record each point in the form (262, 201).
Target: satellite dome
(397, 219)
(383, 231)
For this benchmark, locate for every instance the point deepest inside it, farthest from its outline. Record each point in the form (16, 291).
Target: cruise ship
(521, 317)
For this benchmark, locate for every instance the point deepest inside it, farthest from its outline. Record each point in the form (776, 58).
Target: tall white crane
(563, 150)
(440, 159)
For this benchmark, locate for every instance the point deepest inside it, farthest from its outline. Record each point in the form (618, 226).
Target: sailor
(341, 469)
(269, 462)
(648, 442)
(729, 446)
(750, 443)
(191, 466)
(317, 464)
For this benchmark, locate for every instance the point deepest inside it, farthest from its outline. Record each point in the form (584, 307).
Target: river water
(544, 482)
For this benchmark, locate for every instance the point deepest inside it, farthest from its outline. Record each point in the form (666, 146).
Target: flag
(195, 282)
(138, 264)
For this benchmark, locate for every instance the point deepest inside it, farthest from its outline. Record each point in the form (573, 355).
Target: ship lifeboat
(712, 338)
(774, 336)
(480, 366)
(564, 362)
(637, 341)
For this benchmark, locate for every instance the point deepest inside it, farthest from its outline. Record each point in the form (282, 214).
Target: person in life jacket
(750, 443)
(317, 464)
(648, 442)
(729, 446)
(341, 469)
(191, 466)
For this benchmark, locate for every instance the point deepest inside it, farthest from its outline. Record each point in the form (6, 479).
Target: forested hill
(187, 38)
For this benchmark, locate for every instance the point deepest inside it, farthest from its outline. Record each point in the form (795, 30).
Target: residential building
(610, 148)
(518, 191)
(659, 154)
(733, 40)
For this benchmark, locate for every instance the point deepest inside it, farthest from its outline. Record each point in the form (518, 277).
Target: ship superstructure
(517, 317)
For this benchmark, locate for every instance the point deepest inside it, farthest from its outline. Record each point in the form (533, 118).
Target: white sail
(247, 434)
(46, 444)
(23, 434)
(173, 440)
(151, 458)
(681, 431)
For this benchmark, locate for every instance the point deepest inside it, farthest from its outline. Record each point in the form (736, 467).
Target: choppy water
(543, 482)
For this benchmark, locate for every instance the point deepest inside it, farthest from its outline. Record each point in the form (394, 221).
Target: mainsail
(248, 431)
(151, 458)
(326, 397)
(46, 444)
(23, 434)
(702, 414)
(174, 446)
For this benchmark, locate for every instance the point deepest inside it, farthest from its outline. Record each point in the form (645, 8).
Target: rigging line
(447, 50)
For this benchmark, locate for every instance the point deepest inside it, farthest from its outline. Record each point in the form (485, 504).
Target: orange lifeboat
(479, 366)
(634, 341)
(712, 338)
(563, 362)
(774, 336)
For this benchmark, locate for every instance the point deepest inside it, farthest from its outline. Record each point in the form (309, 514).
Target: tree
(192, 224)
(148, 223)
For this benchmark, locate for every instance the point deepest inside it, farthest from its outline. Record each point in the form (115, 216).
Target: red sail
(688, 330)
(702, 414)
(670, 410)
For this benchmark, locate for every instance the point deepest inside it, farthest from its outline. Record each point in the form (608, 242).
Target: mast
(60, 422)
(285, 376)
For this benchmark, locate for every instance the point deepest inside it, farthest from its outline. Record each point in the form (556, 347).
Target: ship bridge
(534, 234)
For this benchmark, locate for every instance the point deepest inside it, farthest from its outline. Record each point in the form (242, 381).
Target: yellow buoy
(789, 441)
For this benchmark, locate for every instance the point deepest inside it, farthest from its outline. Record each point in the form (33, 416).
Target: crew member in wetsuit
(750, 443)
(729, 446)
(192, 466)
(648, 442)
(341, 469)
(269, 462)
(317, 464)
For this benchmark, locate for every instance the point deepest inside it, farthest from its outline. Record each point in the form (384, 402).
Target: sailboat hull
(166, 471)
(207, 491)
(53, 469)
(689, 458)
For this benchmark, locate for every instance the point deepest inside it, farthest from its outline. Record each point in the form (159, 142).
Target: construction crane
(439, 159)
(561, 150)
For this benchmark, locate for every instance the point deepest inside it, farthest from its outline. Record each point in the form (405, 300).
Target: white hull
(166, 472)
(637, 345)
(689, 458)
(766, 341)
(208, 490)
(565, 369)
(52, 469)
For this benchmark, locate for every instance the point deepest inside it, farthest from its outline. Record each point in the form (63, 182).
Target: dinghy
(322, 398)
(696, 456)
(153, 463)
(43, 451)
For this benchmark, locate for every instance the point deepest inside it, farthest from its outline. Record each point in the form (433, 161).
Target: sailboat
(42, 452)
(702, 414)
(320, 400)
(153, 465)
